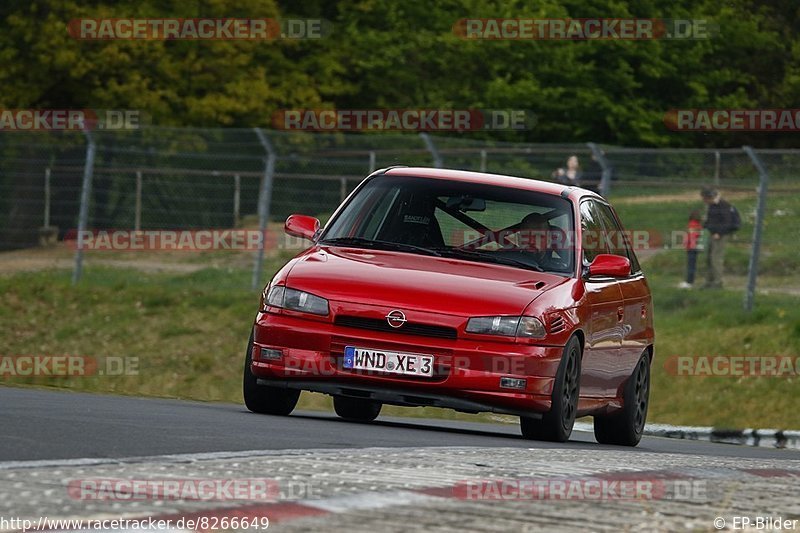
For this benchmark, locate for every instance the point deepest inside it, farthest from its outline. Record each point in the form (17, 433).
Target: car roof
(485, 178)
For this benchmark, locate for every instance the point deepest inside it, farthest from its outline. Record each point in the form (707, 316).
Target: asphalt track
(390, 476)
(53, 425)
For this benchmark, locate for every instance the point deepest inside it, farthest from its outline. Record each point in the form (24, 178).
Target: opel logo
(396, 318)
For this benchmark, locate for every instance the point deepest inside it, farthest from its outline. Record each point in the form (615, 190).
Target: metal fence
(53, 184)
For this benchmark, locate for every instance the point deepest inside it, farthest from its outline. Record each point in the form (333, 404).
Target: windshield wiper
(370, 243)
(491, 256)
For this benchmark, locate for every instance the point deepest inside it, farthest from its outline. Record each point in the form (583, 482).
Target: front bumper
(466, 376)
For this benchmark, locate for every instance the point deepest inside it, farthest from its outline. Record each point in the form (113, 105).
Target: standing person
(570, 175)
(592, 175)
(722, 219)
(693, 233)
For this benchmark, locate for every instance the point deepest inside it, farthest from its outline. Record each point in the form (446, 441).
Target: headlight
(286, 298)
(531, 328)
(507, 326)
(493, 325)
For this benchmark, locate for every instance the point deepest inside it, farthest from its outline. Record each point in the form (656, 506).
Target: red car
(471, 291)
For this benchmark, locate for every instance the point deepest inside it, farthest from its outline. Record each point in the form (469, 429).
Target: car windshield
(470, 221)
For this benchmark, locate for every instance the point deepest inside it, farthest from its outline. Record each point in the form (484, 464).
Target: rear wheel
(265, 400)
(556, 425)
(356, 409)
(625, 428)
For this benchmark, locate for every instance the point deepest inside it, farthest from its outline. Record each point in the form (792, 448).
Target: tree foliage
(385, 53)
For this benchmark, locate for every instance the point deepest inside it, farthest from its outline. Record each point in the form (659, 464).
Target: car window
(591, 232)
(363, 214)
(470, 221)
(505, 214)
(497, 216)
(379, 214)
(616, 238)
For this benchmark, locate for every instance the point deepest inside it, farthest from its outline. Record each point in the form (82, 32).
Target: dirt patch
(62, 257)
(11, 265)
(678, 197)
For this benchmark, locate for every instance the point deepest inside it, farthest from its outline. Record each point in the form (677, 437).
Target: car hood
(418, 282)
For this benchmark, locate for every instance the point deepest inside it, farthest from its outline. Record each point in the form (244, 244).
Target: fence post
(342, 189)
(752, 272)
(264, 200)
(605, 176)
(47, 197)
(437, 158)
(483, 160)
(83, 216)
(237, 199)
(716, 166)
(137, 213)
(372, 161)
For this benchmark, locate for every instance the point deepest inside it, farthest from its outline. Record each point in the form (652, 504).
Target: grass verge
(189, 332)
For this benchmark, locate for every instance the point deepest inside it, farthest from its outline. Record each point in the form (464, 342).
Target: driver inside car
(540, 240)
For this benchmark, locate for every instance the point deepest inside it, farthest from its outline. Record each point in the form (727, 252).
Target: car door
(604, 298)
(636, 320)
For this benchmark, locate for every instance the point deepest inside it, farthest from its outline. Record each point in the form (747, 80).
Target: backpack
(736, 219)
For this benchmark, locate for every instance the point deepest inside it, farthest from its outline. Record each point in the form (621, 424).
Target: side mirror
(302, 226)
(615, 266)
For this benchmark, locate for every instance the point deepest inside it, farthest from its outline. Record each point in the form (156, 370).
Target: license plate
(407, 364)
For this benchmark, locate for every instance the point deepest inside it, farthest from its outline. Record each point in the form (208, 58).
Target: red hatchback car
(471, 291)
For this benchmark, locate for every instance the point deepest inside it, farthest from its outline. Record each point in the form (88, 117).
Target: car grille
(409, 328)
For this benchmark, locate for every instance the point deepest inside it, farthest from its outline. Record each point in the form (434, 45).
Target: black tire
(265, 400)
(625, 428)
(356, 409)
(556, 424)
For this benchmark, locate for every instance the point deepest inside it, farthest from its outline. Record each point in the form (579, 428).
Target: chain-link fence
(216, 179)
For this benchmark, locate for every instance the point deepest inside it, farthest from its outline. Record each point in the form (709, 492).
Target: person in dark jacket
(592, 175)
(721, 223)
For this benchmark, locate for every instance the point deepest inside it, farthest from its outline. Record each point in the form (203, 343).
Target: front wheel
(265, 400)
(556, 425)
(625, 428)
(356, 409)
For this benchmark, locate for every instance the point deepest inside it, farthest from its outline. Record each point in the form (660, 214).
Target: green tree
(384, 53)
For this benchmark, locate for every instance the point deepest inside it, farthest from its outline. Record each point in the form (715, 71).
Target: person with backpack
(722, 220)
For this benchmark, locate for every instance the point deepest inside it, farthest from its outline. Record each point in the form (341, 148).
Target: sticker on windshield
(417, 219)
